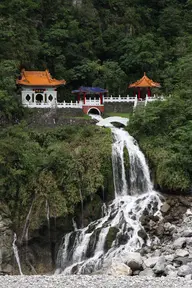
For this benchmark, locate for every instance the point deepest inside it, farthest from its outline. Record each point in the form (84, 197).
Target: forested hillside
(100, 42)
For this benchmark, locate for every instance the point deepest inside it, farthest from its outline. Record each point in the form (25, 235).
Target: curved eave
(41, 84)
(144, 86)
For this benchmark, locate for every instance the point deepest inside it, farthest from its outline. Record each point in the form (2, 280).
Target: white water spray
(16, 253)
(89, 249)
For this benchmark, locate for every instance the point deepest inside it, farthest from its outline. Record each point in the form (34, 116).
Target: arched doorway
(39, 97)
(94, 111)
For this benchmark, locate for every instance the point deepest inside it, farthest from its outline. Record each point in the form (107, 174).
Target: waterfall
(16, 253)
(119, 230)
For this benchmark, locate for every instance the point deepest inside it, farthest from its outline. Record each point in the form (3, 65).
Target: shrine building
(39, 89)
(143, 86)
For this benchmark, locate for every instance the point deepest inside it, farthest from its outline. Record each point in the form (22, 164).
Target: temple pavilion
(143, 87)
(38, 88)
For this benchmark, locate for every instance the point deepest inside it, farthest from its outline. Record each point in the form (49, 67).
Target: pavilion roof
(144, 82)
(90, 90)
(38, 78)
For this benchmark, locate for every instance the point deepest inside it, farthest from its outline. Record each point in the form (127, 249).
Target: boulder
(134, 261)
(182, 253)
(147, 272)
(188, 277)
(159, 268)
(150, 262)
(187, 233)
(165, 207)
(118, 269)
(169, 227)
(8, 269)
(189, 241)
(169, 258)
(184, 270)
(179, 243)
(182, 260)
(170, 270)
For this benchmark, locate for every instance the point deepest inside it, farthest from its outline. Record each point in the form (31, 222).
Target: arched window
(39, 97)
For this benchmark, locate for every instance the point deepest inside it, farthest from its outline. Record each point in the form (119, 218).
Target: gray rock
(169, 257)
(182, 253)
(179, 243)
(189, 241)
(118, 269)
(150, 262)
(184, 270)
(188, 277)
(159, 267)
(133, 260)
(147, 272)
(169, 227)
(165, 207)
(136, 272)
(182, 260)
(171, 271)
(187, 233)
(8, 269)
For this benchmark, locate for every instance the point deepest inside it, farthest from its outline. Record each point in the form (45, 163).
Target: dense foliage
(92, 42)
(164, 131)
(59, 168)
(103, 42)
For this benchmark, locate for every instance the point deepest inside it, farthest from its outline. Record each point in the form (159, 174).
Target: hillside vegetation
(164, 132)
(109, 43)
(56, 168)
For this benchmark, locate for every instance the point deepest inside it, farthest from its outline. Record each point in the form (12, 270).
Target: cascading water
(120, 230)
(16, 253)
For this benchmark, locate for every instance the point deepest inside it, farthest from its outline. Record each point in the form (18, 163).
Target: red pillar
(78, 97)
(101, 99)
(139, 93)
(84, 98)
(149, 92)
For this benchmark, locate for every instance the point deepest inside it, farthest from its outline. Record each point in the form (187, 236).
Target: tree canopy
(106, 42)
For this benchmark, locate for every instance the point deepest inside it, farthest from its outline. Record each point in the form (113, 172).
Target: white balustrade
(89, 101)
(95, 102)
(119, 99)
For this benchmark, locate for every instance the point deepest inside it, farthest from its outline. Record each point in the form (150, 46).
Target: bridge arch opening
(94, 111)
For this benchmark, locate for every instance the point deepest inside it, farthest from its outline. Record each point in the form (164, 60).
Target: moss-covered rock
(111, 236)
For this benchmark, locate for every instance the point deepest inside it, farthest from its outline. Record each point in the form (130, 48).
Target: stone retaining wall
(56, 117)
(119, 107)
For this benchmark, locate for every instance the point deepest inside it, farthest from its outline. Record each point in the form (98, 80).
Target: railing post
(135, 102)
(146, 99)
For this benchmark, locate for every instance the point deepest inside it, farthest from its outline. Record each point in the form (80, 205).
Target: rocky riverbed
(95, 281)
(170, 251)
(169, 254)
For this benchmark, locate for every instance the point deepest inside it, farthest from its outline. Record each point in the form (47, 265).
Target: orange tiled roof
(144, 82)
(38, 78)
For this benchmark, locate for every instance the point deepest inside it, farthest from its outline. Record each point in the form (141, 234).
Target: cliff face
(6, 239)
